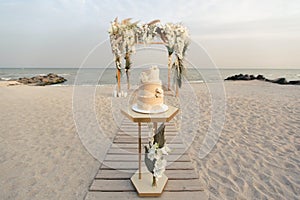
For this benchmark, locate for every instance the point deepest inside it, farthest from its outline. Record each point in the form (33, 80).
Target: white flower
(159, 167)
(160, 163)
(159, 154)
(152, 154)
(165, 150)
(158, 172)
(159, 92)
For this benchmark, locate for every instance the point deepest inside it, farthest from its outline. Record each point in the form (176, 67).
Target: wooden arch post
(118, 74)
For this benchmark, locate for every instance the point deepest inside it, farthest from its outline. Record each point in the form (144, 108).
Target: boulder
(248, 77)
(280, 81)
(294, 82)
(49, 79)
(239, 77)
(260, 77)
(252, 77)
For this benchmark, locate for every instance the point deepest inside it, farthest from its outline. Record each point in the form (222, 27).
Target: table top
(158, 117)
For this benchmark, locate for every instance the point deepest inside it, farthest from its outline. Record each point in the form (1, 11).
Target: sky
(234, 33)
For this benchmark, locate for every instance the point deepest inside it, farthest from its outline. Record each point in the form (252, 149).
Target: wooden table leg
(140, 150)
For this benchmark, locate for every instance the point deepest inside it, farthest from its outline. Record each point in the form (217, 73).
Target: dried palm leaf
(126, 21)
(116, 20)
(153, 22)
(159, 137)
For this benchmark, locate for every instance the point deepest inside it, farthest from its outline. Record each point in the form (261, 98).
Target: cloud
(29, 26)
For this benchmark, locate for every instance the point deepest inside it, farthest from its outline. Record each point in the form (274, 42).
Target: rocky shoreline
(246, 77)
(39, 80)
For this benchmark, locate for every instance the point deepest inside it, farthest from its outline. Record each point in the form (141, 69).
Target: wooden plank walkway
(112, 181)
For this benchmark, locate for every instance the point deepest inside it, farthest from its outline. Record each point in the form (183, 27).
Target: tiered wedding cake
(150, 97)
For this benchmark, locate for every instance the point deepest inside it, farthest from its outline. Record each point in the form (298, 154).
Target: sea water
(102, 76)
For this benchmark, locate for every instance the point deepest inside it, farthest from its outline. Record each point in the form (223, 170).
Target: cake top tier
(150, 75)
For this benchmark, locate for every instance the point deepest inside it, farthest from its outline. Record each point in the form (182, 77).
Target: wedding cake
(150, 95)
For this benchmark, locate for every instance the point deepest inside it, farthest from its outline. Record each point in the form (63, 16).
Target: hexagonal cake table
(143, 181)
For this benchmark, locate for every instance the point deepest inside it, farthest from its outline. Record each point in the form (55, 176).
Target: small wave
(64, 74)
(79, 85)
(5, 79)
(199, 81)
(59, 85)
(85, 85)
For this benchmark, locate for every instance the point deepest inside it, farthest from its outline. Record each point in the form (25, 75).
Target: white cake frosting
(150, 75)
(150, 95)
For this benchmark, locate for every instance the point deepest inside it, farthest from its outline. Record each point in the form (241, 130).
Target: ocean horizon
(104, 76)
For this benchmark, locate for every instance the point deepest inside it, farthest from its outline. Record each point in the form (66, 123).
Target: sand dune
(257, 155)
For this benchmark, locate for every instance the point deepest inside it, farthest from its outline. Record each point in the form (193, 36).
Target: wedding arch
(125, 35)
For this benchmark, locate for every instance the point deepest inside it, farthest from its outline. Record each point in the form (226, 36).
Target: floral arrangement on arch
(125, 35)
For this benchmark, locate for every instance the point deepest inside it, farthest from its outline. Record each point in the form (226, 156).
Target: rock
(239, 77)
(280, 81)
(252, 77)
(247, 77)
(49, 79)
(56, 80)
(260, 77)
(45, 80)
(294, 82)
(23, 80)
(51, 75)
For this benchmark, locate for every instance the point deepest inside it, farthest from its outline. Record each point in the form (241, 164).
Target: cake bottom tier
(149, 103)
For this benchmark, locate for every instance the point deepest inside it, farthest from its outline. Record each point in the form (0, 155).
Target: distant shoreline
(101, 76)
(113, 67)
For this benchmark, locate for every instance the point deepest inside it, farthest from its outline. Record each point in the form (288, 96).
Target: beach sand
(257, 154)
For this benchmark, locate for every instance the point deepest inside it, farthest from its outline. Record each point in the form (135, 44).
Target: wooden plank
(129, 138)
(144, 134)
(134, 140)
(127, 174)
(133, 151)
(199, 195)
(127, 121)
(146, 126)
(130, 123)
(112, 186)
(146, 129)
(115, 174)
(134, 165)
(126, 185)
(134, 158)
(124, 146)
